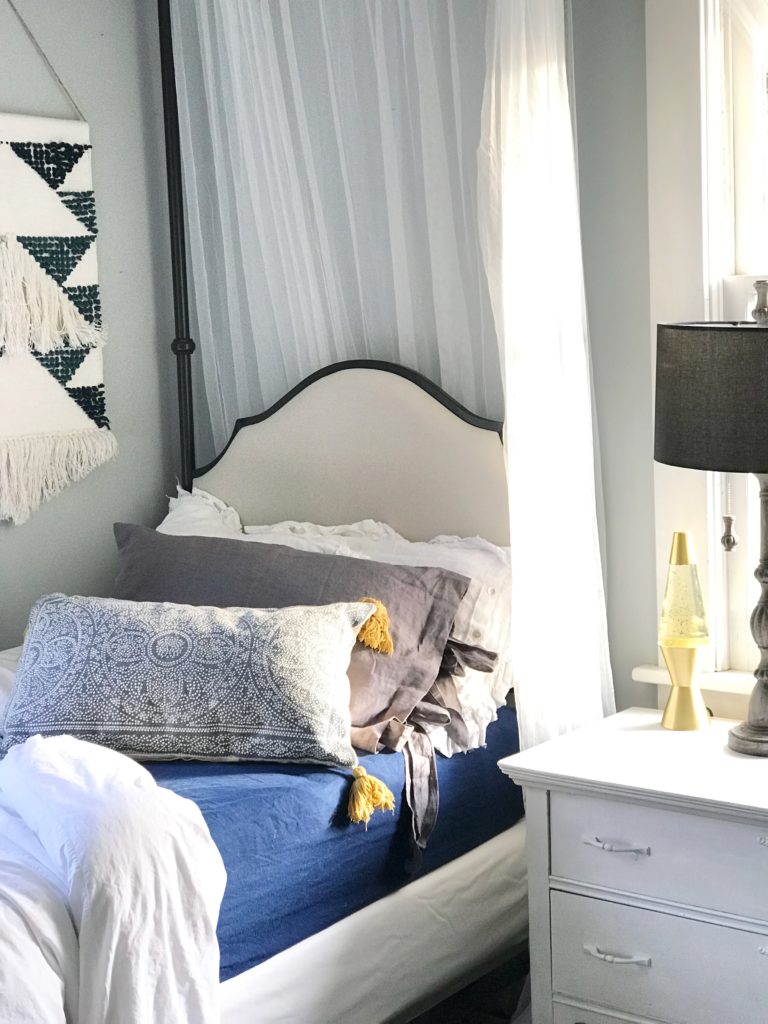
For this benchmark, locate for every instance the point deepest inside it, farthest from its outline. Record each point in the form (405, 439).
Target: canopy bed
(365, 467)
(367, 440)
(319, 920)
(309, 460)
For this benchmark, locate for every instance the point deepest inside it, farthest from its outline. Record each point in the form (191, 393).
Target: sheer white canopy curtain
(329, 151)
(529, 221)
(396, 179)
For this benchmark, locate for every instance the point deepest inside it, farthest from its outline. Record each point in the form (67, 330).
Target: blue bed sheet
(295, 865)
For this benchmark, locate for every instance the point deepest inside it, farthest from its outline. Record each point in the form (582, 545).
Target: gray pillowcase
(422, 604)
(168, 680)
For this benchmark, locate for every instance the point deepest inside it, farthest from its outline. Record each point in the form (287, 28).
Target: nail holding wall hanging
(53, 423)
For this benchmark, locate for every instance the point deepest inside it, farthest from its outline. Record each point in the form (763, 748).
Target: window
(743, 111)
(746, 108)
(708, 228)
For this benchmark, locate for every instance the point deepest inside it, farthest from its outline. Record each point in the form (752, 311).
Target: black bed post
(182, 346)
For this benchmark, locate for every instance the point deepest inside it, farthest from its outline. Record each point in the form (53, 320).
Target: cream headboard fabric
(365, 443)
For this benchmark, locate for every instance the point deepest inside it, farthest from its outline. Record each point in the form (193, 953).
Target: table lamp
(712, 413)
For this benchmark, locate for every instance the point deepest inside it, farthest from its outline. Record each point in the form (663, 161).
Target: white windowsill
(725, 693)
(730, 681)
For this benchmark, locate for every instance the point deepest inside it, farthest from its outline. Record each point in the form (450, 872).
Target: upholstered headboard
(356, 440)
(367, 440)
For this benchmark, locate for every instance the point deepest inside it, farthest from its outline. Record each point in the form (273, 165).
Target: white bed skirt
(393, 956)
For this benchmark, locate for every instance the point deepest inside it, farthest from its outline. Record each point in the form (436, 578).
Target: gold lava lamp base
(685, 708)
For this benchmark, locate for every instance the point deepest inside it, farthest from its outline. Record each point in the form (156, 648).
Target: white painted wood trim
(630, 756)
(687, 910)
(599, 1016)
(537, 845)
(536, 779)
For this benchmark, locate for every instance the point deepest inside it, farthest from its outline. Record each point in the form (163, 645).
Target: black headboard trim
(413, 376)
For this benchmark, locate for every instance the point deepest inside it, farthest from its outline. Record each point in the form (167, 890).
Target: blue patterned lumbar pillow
(170, 680)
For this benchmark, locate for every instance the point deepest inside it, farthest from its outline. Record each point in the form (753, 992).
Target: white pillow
(199, 514)
(366, 529)
(483, 618)
(9, 661)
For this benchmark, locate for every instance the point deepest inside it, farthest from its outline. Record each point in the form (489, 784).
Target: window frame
(692, 246)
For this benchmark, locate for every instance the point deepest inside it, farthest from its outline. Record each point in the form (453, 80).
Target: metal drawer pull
(611, 958)
(641, 851)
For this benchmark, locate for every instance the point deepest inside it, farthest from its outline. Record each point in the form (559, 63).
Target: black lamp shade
(712, 397)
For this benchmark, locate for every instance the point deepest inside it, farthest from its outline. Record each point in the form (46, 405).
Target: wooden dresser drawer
(657, 965)
(589, 837)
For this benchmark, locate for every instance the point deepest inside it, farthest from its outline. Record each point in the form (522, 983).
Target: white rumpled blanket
(110, 888)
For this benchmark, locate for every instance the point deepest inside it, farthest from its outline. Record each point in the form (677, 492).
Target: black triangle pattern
(58, 255)
(92, 401)
(87, 299)
(62, 364)
(83, 206)
(51, 160)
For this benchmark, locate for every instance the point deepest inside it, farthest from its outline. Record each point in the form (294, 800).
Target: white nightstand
(648, 875)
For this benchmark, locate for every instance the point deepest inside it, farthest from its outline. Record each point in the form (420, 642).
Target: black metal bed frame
(183, 345)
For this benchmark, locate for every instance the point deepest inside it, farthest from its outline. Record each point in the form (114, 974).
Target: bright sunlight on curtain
(529, 220)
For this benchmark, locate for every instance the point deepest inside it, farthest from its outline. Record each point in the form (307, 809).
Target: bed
(366, 439)
(323, 922)
(304, 460)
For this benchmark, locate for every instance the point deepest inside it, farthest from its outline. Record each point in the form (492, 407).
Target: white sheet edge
(439, 927)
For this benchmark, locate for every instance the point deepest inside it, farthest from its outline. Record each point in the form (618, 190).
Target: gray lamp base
(749, 739)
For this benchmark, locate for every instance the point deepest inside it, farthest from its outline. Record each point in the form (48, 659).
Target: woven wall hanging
(53, 424)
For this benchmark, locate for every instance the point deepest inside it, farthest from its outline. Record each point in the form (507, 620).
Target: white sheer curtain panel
(529, 217)
(329, 152)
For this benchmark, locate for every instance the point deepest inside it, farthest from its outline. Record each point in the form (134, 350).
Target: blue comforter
(294, 862)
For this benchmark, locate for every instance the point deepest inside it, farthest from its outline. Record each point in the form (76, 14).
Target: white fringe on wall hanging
(53, 424)
(35, 314)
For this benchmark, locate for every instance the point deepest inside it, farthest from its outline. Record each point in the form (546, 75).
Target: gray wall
(610, 100)
(106, 53)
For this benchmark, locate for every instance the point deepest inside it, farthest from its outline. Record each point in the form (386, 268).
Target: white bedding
(110, 889)
(9, 661)
(84, 938)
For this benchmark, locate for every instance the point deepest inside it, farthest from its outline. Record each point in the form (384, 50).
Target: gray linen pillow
(168, 680)
(422, 604)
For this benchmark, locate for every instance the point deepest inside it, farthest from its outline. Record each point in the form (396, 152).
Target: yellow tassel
(367, 795)
(374, 632)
